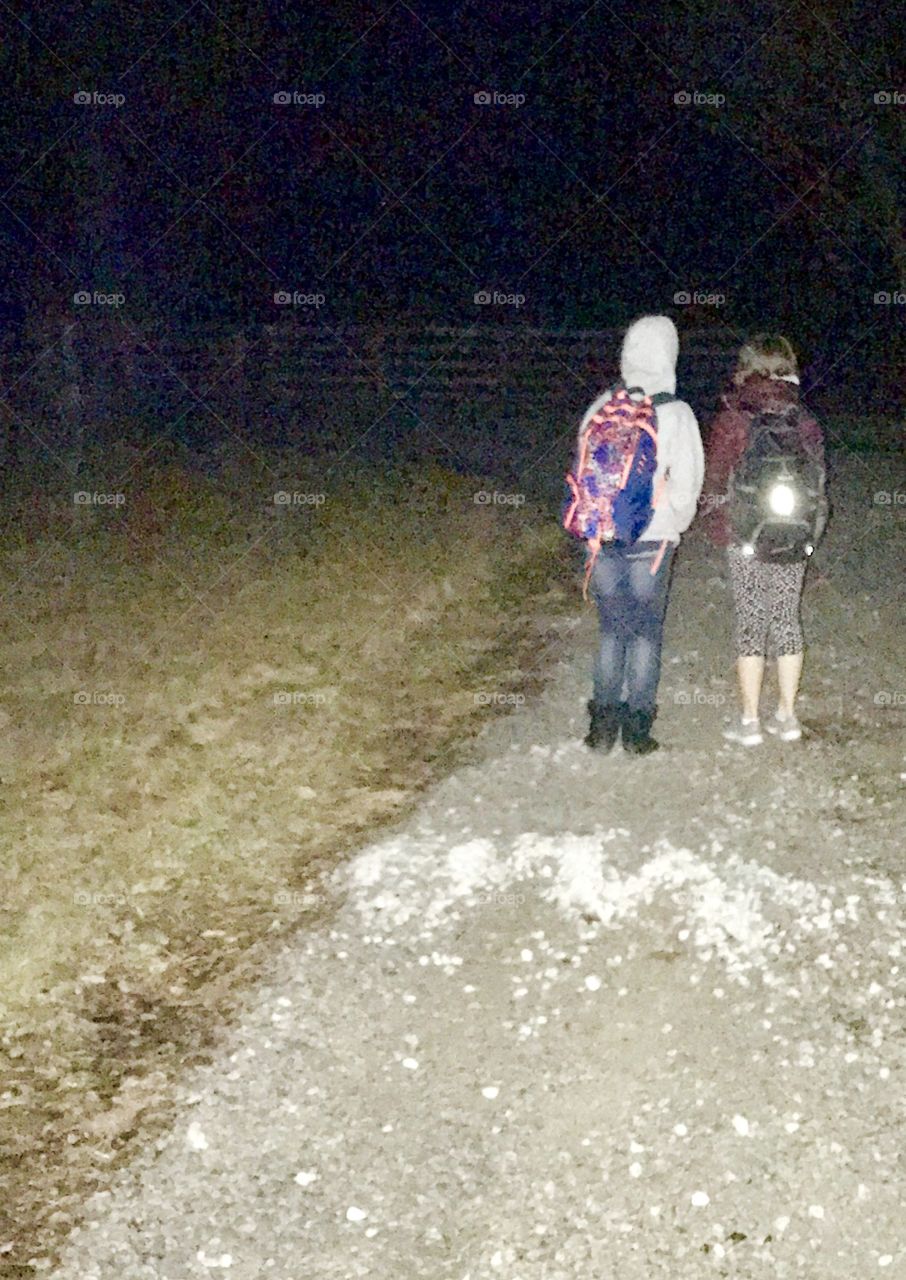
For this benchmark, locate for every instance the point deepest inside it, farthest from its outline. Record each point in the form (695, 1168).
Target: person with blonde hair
(763, 501)
(766, 356)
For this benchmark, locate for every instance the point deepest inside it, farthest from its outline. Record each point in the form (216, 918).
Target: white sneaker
(746, 733)
(787, 730)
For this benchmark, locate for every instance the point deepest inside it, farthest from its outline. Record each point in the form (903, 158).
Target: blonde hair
(767, 355)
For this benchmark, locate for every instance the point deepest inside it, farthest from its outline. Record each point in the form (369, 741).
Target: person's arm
(725, 445)
(812, 436)
(686, 469)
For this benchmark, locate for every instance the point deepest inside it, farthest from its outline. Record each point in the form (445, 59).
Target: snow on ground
(722, 909)
(577, 1018)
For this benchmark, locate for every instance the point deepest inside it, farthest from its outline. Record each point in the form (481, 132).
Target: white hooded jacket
(648, 360)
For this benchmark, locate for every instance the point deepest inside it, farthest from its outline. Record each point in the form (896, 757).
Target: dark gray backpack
(776, 502)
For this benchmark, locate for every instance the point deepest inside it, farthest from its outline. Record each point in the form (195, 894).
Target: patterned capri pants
(766, 606)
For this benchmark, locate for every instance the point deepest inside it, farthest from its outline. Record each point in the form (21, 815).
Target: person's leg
(608, 589)
(750, 628)
(647, 599)
(786, 641)
(646, 606)
(789, 673)
(750, 674)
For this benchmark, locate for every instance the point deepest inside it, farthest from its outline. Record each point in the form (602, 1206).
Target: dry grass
(208, 697)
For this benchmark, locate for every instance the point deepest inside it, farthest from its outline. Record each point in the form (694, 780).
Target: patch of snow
(195, 1138)
(728, 906)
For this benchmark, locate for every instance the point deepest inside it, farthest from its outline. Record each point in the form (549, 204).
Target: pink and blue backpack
(611, 495)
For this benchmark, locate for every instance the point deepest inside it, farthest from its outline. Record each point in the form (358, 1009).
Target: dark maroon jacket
(728, 438)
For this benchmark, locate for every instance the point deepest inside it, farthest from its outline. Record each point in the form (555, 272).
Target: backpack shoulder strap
(659, 398)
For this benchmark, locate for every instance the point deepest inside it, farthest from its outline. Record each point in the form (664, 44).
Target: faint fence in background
(485, 398)
(489, 397)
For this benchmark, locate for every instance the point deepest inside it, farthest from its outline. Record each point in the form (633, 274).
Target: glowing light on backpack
(782, 500)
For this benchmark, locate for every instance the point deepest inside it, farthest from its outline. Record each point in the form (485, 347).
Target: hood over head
(648, 358)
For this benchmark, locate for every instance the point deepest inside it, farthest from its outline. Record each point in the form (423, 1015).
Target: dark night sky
(597, 196)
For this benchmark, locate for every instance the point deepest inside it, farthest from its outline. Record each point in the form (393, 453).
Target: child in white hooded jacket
(630, 584)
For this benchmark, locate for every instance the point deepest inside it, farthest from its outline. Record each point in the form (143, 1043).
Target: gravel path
(579, 1017)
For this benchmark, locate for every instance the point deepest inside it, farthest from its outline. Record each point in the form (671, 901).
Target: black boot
(603, 727)
(637, 737)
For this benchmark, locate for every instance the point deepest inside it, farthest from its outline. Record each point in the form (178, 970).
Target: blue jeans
(631, 605)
